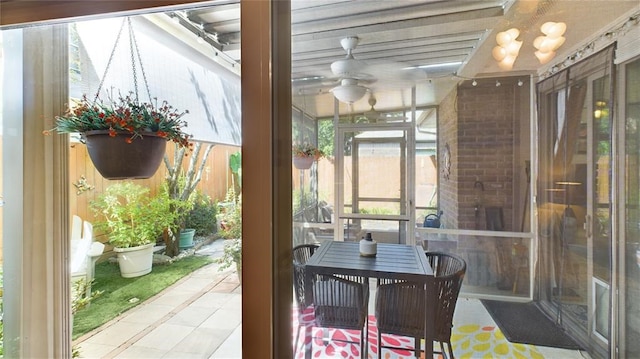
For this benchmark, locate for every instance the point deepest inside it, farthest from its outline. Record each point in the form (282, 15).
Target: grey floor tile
(213, 300)
(223, 319)
(183, 355)
(202, 341)
(165, 336)
(147, 313)
(230, 348)
(117, 333)
(174, 297)
(192, 316)
(192, 284)
(94, 350)
(140, 352)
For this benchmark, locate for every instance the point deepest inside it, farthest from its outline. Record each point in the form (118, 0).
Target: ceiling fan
(352, 78)
(349, 70)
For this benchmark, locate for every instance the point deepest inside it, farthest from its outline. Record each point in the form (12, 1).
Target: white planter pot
(135, 261)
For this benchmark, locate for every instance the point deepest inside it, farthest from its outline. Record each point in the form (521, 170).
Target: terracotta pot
(303, 163)
(114, 158)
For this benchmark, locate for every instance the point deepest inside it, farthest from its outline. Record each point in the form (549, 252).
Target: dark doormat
(525, 323)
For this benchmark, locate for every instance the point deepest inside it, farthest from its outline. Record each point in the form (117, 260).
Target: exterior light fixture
(498, 84)
(508, 48)
(520, 83)
(600, 110)
(548, 44)
(474, 83)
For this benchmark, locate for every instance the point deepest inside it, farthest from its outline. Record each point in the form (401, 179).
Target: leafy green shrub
(232, 254)
(231, 216)
(202, 217)
(131, 217)
(376, 210)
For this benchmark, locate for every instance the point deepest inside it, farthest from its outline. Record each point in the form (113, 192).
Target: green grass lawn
(119, 294)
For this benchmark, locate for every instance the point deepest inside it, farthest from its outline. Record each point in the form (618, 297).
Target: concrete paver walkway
(200, 316)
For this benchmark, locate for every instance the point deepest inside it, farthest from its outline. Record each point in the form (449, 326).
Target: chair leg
(416, 347)
(362, 350)
(364, 339)
(450, 350)
(379, 344)
(295, 346)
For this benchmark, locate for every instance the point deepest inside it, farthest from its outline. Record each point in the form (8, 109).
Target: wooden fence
(216, 177)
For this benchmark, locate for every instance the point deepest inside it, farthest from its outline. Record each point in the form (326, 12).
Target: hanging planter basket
(126, 138)
(115, 158)
(303, 163)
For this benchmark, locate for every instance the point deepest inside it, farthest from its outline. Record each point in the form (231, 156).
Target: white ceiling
(405, 33)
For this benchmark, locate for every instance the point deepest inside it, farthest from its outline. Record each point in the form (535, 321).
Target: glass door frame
(618, 336)
(592, 209)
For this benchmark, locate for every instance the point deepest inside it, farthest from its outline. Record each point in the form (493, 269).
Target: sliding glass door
(574, 200)
(630, 162)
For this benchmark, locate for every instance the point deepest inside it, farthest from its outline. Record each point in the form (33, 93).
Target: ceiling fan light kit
(349, 91)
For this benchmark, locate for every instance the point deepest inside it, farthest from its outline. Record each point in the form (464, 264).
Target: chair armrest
(96, 249)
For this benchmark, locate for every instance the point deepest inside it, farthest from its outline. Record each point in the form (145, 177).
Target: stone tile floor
(200, 317)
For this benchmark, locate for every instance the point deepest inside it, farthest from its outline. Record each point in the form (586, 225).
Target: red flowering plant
(124, 115)
(306, 149)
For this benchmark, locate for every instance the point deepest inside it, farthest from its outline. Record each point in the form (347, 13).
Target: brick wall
(448, 135)
(483, 126)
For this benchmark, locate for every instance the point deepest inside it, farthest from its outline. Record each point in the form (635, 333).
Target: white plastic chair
(76, 228)
(84, 254)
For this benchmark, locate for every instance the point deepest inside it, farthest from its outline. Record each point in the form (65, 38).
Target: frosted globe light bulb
(507, 62)
(557, 42)
(553, 29)
(544, 57)
(499, 53)
(514, 33)
(514, 48)
(503, 38)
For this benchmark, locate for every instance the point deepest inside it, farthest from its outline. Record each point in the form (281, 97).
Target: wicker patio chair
(342, 302)
(400, 305)
(301, 255)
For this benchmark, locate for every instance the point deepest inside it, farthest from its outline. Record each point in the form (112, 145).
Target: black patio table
(393, 261)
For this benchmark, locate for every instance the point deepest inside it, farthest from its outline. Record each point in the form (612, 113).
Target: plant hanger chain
(135, 52)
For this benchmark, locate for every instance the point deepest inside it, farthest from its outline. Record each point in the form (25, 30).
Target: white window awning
(174, 71)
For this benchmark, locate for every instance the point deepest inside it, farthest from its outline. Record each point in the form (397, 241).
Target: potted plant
(304, 154)
(133, 221)
(125, 138)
